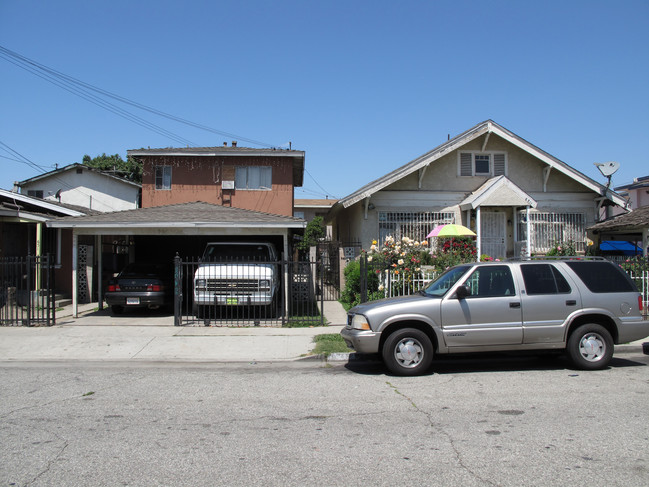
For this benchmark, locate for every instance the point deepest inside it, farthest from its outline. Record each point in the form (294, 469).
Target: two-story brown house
(239, 177)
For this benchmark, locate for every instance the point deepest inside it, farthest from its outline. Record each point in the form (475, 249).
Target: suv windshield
(440, 286)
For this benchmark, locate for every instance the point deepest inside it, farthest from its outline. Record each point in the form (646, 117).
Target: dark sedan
(141, 286)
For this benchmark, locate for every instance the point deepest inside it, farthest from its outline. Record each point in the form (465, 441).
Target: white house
(85, 187)
(517, 198)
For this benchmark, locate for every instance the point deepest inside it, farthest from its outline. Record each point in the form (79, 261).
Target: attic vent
(79, 170)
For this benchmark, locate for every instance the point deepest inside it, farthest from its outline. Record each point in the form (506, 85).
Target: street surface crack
(429, 418)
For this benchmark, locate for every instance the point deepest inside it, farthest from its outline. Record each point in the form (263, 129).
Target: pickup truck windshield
(224, 253)
(440, 286)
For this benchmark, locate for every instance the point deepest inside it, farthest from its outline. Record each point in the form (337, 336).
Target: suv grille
(232, 285)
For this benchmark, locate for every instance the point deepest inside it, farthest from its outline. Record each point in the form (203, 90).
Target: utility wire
(25, 62)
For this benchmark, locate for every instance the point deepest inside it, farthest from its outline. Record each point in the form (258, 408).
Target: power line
(57, 78)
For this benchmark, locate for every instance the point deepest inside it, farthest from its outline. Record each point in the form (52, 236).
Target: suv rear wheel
(408, 352)
(590, 347)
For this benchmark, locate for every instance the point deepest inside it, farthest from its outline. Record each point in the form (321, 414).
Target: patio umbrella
(451, 230)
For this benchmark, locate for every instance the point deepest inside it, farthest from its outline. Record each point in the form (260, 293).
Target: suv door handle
(571, 302)
(514, 305)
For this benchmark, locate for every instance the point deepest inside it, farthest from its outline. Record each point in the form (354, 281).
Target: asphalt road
(505, 421)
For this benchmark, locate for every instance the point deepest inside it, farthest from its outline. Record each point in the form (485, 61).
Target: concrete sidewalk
(96, 335)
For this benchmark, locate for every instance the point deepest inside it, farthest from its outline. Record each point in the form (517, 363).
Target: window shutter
(499, 164)
(466, 164)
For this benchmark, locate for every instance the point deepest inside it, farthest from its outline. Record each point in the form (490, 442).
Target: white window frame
(413, 224)
(164, 174)
(245, 178)
(492, 163)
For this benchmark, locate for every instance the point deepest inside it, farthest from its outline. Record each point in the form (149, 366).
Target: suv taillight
(640, 303)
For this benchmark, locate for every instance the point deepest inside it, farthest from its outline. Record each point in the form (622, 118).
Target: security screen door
(492, 234)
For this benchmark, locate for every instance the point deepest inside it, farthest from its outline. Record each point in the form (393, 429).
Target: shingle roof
(634, 220)
(196, 214)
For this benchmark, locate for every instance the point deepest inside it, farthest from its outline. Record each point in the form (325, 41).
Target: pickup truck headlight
(359, 322)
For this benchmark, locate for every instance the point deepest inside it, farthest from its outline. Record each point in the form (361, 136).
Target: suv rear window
(603, 277)
(544, 279)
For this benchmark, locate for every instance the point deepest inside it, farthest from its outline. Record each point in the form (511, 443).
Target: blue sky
(362, 87)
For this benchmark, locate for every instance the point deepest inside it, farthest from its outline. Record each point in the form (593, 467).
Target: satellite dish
(608, 168)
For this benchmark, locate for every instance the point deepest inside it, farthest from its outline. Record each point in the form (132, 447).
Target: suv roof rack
(559, 257)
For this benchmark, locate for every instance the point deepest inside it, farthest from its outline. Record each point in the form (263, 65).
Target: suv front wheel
(408, 352)
(590, 347)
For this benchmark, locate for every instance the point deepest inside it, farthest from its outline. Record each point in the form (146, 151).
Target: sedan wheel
(408, 352)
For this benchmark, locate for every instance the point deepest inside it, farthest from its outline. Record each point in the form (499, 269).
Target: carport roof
(183, 215)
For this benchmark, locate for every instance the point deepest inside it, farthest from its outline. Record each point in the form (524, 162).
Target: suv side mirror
(462, 292)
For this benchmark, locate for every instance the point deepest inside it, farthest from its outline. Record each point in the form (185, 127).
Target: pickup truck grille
(221, 286)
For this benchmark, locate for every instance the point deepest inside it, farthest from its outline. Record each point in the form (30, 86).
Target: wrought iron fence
(248, 293)
(27, 291)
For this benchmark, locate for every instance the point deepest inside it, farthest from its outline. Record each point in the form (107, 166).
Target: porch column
(528, 244)
(478, 233)
(645, 242)
(75, 255)
(515, 229)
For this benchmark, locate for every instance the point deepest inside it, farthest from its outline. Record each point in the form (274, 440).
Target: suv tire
(590, 347)
(407, 352)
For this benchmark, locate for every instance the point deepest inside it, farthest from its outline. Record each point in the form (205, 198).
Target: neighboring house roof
(70, 167)
(635, 220)
(298, 156)
(498, 191)
(486, 127)
(19, 205)
(314, 203)
(638, 183)
(183, 215)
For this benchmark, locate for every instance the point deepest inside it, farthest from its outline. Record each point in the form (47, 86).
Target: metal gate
(235, 293)
(328, 257)
(27, 291)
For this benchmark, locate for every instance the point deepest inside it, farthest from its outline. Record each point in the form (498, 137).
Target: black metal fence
(27, 291)
(248, 293)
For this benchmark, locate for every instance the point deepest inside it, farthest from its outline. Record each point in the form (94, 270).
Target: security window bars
(549, 229)
(163, 177)
(414, 225)
(253, 177)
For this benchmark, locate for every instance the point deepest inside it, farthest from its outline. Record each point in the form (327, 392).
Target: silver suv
(581, 305)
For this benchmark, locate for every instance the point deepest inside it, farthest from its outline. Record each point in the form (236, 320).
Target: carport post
(100, 280)
(75, 251)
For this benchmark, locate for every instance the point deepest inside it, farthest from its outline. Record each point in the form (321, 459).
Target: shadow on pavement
(482, 363)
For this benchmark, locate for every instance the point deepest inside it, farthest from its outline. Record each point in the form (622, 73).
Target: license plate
(132, 300)
(231, 300)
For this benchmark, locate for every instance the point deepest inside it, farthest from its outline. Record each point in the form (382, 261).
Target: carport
(166, 230)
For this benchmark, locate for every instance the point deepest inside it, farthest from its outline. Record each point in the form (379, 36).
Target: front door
(492, 234)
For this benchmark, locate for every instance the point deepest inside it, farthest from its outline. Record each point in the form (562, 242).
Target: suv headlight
(200, 283)
(359, 322)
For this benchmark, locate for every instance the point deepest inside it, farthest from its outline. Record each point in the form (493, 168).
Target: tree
(312, 233)
(128, 169)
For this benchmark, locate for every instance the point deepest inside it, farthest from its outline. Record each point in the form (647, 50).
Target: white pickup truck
(236, 274)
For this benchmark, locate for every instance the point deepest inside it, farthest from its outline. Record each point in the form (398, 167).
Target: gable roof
(70, 167)
(183, 215)
(498, 191)
(234, 151)
(486, 127)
